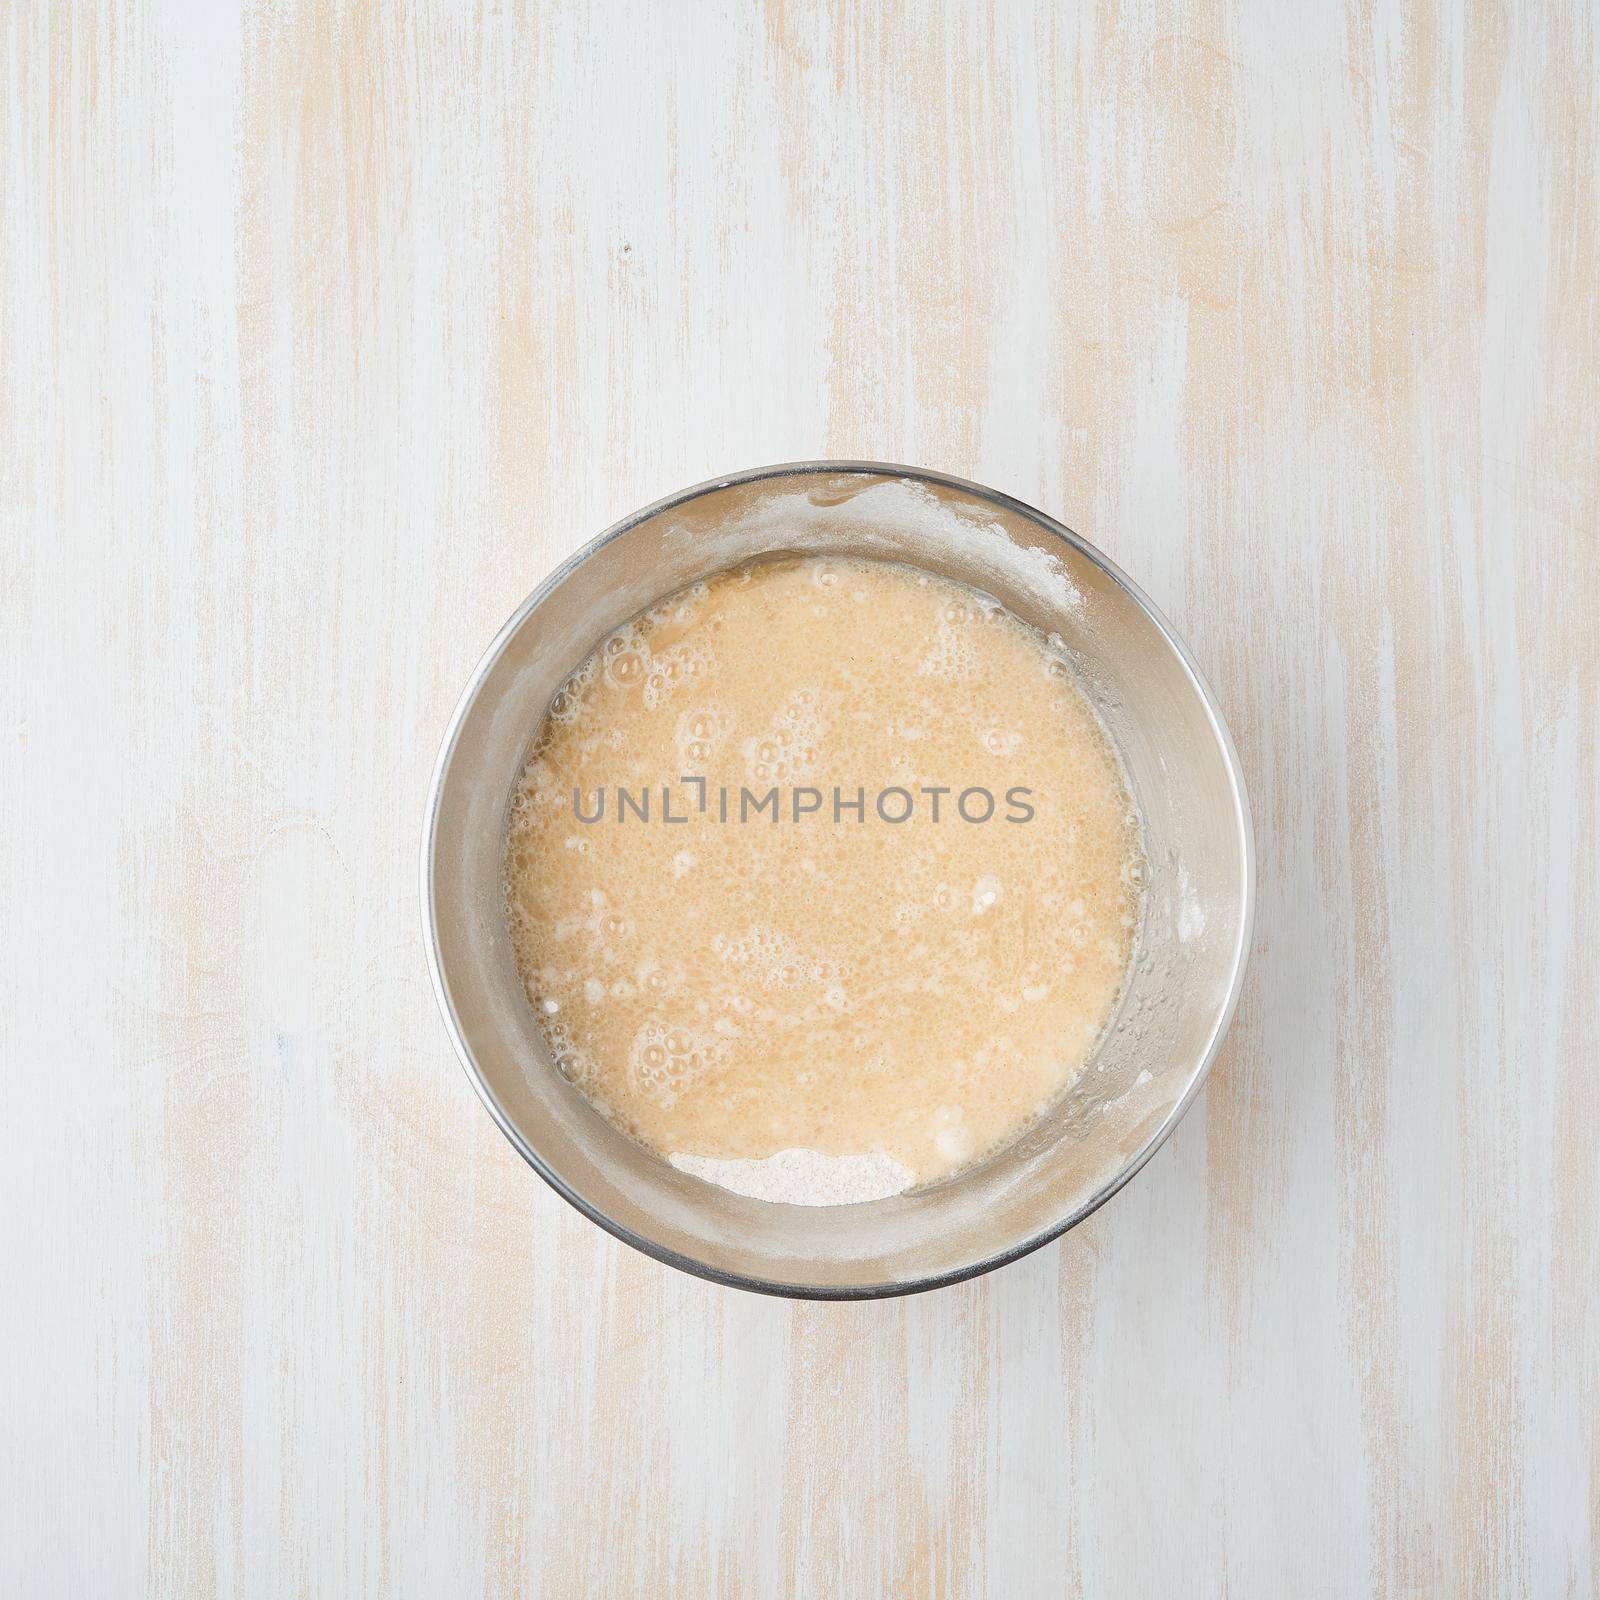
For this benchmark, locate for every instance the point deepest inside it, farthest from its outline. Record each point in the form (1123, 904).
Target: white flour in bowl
(802, 1177)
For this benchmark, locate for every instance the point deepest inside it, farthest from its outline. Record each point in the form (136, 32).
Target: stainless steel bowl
(1189, 962)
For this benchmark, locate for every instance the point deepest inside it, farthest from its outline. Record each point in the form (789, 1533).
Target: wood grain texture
(328, 330)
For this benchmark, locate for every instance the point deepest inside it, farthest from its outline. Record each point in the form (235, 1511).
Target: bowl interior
(1174, 1007)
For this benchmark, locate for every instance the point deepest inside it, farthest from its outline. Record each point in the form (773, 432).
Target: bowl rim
(1053, 1230)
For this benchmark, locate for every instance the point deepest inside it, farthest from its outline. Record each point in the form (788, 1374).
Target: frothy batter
(735, 943)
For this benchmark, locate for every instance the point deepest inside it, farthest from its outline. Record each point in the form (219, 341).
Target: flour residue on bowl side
(883, 514)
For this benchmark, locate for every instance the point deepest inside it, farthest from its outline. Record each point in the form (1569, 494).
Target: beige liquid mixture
(806, 975)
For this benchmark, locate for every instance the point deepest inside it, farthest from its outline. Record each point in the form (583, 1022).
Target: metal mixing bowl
(1189, 961)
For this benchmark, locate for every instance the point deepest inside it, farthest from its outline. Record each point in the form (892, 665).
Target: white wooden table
(327, 331)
